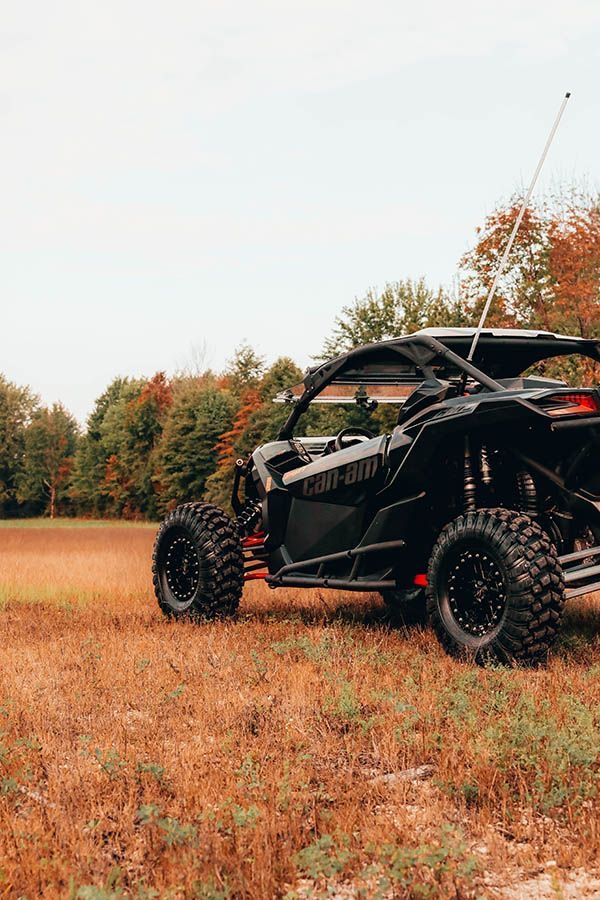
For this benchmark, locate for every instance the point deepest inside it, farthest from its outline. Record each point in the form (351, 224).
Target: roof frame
(419, 349)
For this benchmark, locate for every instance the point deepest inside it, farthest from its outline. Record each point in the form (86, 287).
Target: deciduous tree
(130, 434)
(575, 267)
(187, 454)
(17, 405)
(552, 280)
(91, 456)
(401, 308)
(256, 421)
(524, 295)
(50, 442)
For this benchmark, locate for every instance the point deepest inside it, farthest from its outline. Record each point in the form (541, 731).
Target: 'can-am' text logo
(350, 474)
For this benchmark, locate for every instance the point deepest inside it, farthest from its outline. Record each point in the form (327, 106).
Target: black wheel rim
(475, 591)
(181, 568)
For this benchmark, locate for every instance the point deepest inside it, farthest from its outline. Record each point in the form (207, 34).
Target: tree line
(150, 443)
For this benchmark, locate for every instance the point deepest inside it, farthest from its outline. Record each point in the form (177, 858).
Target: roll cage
(436, 353)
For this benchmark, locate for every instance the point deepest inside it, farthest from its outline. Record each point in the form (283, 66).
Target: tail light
(574, 403)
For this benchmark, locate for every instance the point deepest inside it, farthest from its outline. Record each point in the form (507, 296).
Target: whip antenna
(513, 233)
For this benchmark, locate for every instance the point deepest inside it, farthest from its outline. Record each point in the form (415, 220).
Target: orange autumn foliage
(575, 267)
(159, 390)
(225, 448)
(552, 279)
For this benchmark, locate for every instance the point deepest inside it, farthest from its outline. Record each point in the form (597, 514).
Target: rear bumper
(582, 572)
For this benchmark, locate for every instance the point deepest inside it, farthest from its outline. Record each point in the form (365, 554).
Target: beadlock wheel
(180, 566)
(197, 564)
(495, 588)
(474, 590)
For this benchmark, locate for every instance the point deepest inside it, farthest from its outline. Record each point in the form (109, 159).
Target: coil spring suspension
(470, 485)
(249, 517)
(480, 471)
(528, 498)
(484, 467)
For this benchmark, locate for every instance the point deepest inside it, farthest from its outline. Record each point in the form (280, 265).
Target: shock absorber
(470, 485)
(484, 464)
(528, 499)
(250, 516)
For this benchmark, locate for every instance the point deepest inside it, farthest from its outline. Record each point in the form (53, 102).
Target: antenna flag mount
(513, 233)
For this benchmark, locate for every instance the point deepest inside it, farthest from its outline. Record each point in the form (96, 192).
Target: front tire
(495, 588)
(197, 563)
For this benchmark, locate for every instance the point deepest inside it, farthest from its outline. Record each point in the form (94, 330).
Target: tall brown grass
(145, 758)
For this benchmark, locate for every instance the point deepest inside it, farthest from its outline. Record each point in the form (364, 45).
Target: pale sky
(187, 174)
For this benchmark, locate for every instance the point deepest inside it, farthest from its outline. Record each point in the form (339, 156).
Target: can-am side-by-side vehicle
(481, 506)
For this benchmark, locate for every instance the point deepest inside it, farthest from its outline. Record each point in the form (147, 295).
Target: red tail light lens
(575, 403)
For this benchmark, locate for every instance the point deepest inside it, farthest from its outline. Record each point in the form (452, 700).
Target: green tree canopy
(401, 308)
(114, 467)
(130, 434)
(17, 405)
(50, 443)
(257, 420)
(187, 455)
(245, 368)
(90, 459)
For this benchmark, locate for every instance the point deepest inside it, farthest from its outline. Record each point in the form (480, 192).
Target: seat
(430, 391)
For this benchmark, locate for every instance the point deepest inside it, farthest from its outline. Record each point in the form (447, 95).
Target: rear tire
(495, 588)
(197, 563)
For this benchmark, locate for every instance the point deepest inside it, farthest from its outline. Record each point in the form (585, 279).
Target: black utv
(481, 508)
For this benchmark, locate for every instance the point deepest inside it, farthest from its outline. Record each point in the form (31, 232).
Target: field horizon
(311, 747)
(74, 522)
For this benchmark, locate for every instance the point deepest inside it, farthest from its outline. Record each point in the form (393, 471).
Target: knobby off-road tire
(408, 607)
(197, 563)
(495, 588)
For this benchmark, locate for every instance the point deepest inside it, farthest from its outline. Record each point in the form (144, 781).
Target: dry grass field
(309, 749)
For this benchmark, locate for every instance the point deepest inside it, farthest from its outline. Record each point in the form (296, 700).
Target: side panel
(315, 529)
(330, 499)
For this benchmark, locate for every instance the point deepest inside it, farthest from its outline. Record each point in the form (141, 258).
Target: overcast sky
(187, 174)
